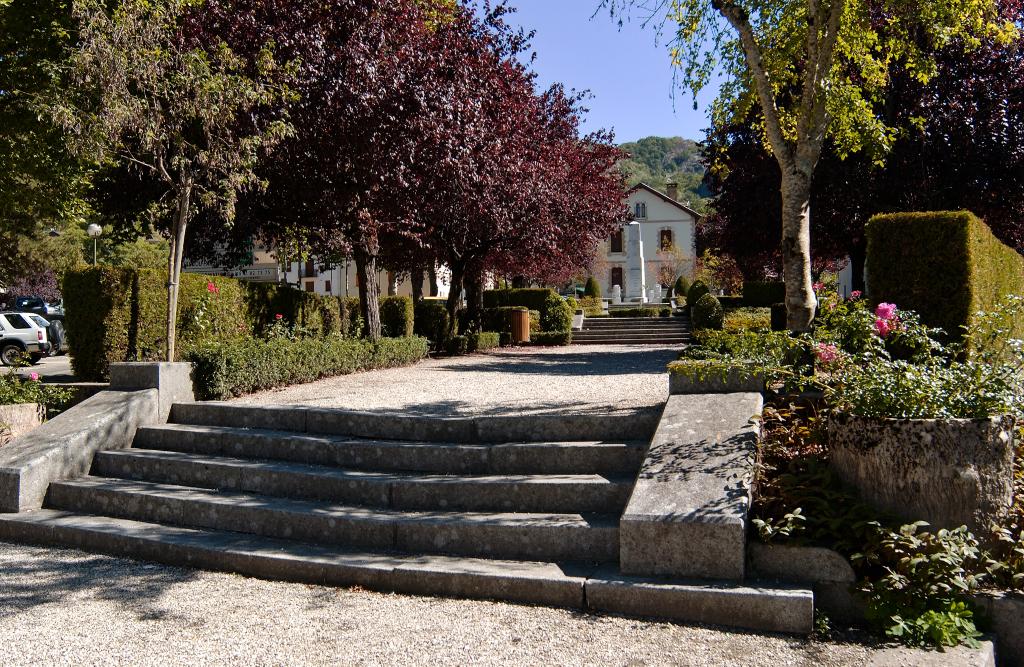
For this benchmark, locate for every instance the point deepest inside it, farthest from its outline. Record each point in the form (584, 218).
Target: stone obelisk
(635, 278)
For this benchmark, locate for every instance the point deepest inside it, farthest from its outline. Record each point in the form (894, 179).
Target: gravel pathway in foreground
(584, 378)
(71, 608)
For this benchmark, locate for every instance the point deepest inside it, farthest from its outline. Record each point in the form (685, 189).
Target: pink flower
(33, 376)
(886, 311)
(883, 327)
(826, 353)
(210, 287)
(818, 286)
(278, 316)
(855, 294)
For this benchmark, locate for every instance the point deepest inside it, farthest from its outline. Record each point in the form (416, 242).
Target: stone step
(478, 493)
(534, 536)
(609, 331)
(561, 458)
(631, 341)
(639, 423)
(763, 608)
(630, 334)
(635, 326)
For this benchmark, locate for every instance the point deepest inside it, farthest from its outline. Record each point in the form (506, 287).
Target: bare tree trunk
(177, 252)
(392, 283)
(416, 282)
(796, 249)
(454, 299)
(432, 276)
(369, 292)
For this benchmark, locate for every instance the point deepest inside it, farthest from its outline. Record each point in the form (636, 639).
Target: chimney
(672, 189)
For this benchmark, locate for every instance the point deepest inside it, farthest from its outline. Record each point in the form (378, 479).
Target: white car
(23, 335)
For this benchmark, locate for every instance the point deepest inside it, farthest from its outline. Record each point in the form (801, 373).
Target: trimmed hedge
(592, 306)
(557, 314)
(945, 265)
(707, 313)
(681, 287)
(762, 294)
(696, 291)
(457, 345)
(481, 342)
(431, 321)
(592, 288)
(115, 314)
(316, 315)
(499, 319)
(396, 316)
(779, 317)
(551, 338)
(661, 311)
(226, 369)
(733, 302)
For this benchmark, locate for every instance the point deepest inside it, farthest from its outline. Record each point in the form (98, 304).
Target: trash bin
(521, 326)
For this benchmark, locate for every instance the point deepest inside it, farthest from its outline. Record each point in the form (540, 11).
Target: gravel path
(585, 378)
(67, 607)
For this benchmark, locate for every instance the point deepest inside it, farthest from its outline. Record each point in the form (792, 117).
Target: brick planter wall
(948, 472)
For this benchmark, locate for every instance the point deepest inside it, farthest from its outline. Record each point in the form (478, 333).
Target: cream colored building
(668, 236)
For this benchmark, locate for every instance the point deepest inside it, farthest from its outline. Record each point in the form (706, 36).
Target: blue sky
(625, 70)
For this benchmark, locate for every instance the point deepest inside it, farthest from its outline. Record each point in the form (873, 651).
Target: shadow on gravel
(638, 362)
(43, 579)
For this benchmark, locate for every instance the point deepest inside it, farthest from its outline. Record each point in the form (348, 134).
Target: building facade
(667, 236)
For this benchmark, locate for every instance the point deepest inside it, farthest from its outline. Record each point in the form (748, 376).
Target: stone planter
(712, 377)
(948, 472)
(18, 419)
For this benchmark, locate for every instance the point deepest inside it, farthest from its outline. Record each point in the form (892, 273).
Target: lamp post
(94, 231)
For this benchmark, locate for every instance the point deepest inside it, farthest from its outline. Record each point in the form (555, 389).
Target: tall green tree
(814, 67)
(41, 182)
(149, 86)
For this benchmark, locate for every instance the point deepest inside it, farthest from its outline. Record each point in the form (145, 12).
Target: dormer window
(641, 211)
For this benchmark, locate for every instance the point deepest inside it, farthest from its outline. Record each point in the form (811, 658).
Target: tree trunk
(474, 302)
(796, 249)
(416, 283)
(432, 277)
(369, 292)
(392, 283)
(177, 252)
(454, 299)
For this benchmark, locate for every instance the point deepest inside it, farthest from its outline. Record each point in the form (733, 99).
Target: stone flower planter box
(698, 376)
(19, 418)
(948, 472)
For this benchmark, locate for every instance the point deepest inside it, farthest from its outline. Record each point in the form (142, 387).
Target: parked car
(21, 335)
(37, 305)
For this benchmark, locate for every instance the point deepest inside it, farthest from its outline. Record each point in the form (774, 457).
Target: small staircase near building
(673, 330)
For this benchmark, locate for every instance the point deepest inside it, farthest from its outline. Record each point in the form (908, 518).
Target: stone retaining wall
(948, 472)
(18, 419)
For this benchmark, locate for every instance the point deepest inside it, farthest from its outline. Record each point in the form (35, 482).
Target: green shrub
(116, 314)
(696, 291)
(499, 319)
(313, 314)
(659, 311)
(779, 316)
(573, 304)
(592, 289)
(457, 345)
(707, 313)
(944, 265)
(592, 306)
(15, 389)
(761, 294)
(396, 316)
(351, 318)
(744, 319)
(505, 338)
(551, 338)
(681, 287)
(731, 301)
(226, 369)
(534, 321)
(557, 315)
(481, 342)
(536, 300)
(431, 321)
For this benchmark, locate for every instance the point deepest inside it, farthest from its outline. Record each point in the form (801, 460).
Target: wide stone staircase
(524, 509)
(673, 330)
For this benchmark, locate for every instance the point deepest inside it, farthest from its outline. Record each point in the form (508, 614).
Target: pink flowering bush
(827, 354)
(17, 389)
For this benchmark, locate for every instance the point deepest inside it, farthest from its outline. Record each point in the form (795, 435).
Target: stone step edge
(400, 426)
(393, 490)
(770, 608)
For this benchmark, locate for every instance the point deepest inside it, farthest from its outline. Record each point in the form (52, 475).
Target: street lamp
(94, 231)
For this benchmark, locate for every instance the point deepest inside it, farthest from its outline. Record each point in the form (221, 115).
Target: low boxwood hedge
(761, 294)
(481, 342)
(226, 369)
(660, 311)
(551, 338)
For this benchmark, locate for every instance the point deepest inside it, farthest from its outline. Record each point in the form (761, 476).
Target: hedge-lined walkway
(603, 379)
